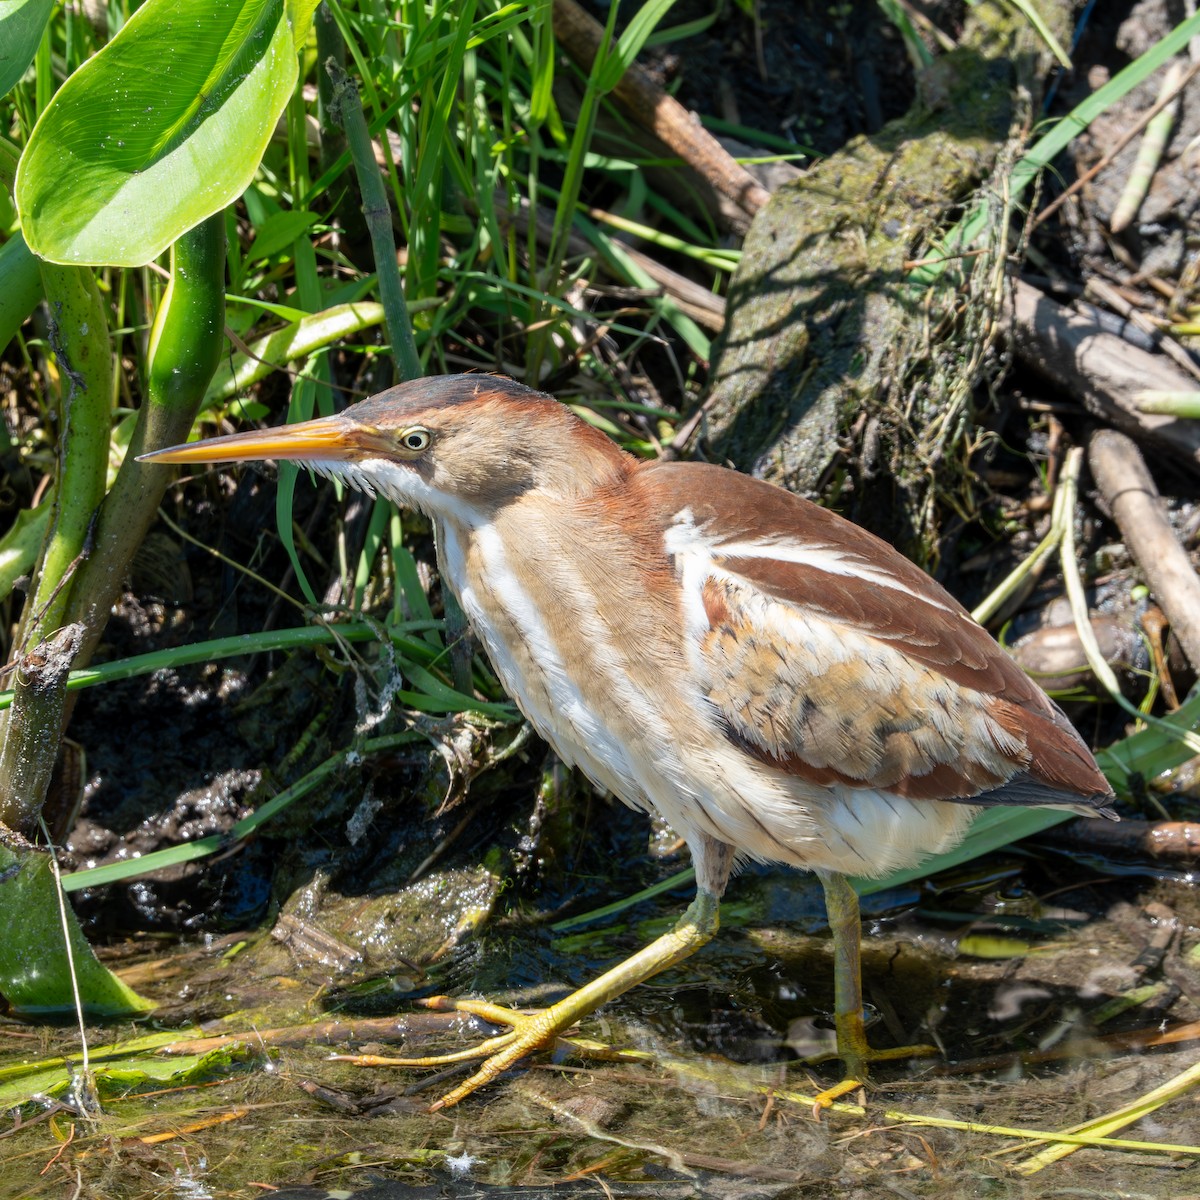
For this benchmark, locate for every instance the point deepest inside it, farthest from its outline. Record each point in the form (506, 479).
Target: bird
(774, 681)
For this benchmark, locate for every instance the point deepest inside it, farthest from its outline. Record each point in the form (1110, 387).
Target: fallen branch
(1175, 840)
(580, 36)
(1101, 371)
(1130, 494)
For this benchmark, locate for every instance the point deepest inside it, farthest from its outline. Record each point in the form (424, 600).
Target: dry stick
(1126, 486)
(580, 36)
(1122, 142)
(1176, 841)
(1103, 372)
(1073, 583)
(1103, 291)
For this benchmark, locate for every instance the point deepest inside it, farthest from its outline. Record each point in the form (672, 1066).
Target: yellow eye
(415, 439)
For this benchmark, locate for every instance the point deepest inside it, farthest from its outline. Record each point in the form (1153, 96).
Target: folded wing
(828, 655)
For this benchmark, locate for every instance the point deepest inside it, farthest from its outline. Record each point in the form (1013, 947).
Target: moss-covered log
(824, 331)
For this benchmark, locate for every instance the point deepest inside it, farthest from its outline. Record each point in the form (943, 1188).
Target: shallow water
(714, 1101)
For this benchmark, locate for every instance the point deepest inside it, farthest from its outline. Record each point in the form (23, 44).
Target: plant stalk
(185, 348)
(378, 214)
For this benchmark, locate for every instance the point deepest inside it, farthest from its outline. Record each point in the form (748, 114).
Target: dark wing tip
(1028, 791)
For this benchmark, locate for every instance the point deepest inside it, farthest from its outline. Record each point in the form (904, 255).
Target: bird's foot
(527, 1033)
(856, 1058)
(857, 1053)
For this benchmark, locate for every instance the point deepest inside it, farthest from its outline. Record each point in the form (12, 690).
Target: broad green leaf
(21, 25)
(125, 1070)
(163, 127)
(19, 546)
(278, 232)
(35, 970)
(20, 286)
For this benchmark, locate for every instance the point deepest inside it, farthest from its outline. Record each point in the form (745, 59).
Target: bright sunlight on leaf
(165, 126)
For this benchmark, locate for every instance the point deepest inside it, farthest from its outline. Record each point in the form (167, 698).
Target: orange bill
(326, 438)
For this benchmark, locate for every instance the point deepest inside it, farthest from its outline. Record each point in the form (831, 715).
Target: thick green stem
(329, 46)
(44, 651)
(185, 348)
(379, 220)
(38, 971)
(30, 748)
(79, 338)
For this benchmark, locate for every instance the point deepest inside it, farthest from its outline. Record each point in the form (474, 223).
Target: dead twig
(1102, 371)
(1163, 101)
(1175, 840)
(1130, 494)
(580, 36)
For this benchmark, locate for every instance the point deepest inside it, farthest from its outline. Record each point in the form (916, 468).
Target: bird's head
(455, 446)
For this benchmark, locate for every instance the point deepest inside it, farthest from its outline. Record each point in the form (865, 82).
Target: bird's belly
(653, 745)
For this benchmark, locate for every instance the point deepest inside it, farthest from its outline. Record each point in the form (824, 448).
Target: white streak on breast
(552, 699)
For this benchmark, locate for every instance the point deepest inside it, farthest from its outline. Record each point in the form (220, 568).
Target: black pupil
(415, 441)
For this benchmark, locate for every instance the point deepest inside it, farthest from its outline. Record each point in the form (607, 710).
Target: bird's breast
(578, 671)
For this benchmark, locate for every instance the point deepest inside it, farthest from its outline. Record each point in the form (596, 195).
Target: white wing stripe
(823, 558)
(683, 536)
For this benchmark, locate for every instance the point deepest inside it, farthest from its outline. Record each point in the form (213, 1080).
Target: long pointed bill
(328, 438)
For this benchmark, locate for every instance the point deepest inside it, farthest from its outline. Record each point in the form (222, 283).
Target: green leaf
(20, 286)
(21, 26)
(278, 232)
(127, 1069)
(294, 341)
(629, 45)
(162, 128)
(1031, 14)
(35, 968)
(19, 546)
(541, 95)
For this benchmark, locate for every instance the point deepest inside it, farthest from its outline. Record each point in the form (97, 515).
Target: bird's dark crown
(401, 404)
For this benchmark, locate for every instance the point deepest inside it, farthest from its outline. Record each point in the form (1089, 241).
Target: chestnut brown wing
(828, 654)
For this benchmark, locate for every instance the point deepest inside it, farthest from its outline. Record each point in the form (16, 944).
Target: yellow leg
(845, 924)
(535, 1031)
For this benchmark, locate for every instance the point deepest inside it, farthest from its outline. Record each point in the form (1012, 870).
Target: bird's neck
(576, 468)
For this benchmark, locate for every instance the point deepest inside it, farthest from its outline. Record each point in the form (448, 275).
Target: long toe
(528, 1033)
